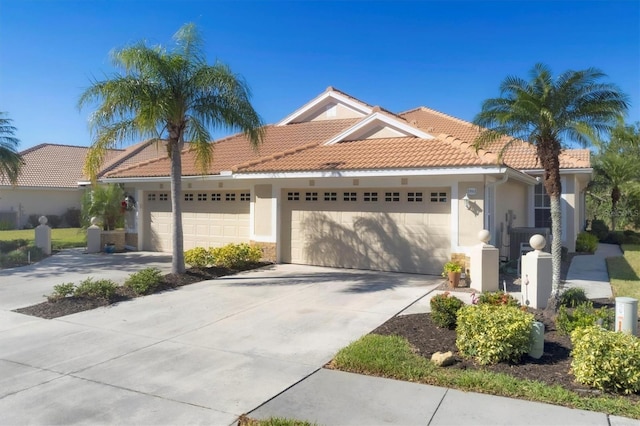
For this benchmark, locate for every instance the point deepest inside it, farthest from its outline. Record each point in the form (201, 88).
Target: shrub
(444, 309)
(53, 220)
(491, 334)
(614, 238)
(95, 289)
(144, 281)
(583, 315)
(599, 228)
(61, 291)
(497, 298)
(6, 225)
(236, 255)
(22, 256)
(72, 218)
(198, 257)
(572, 297)
(606, 360)
(586, 242)
(10, 245)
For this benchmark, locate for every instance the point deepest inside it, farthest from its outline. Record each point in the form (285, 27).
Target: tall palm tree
(10, 160)
(172, 95)
(548, 112)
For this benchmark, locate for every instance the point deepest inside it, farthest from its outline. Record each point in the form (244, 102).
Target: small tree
(105, 203)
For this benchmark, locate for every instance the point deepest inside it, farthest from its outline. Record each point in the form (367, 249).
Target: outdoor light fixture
(467, 201)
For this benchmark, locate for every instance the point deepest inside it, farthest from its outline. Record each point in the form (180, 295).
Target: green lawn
(60, 237)
(624, 272)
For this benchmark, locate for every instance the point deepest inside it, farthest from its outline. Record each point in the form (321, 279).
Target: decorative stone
(443, 359)
(94, 221)
(43, 220)
(537, 242)
(484, 236)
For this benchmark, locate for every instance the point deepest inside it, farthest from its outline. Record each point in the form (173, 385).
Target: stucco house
(339, 182)
(52, 181)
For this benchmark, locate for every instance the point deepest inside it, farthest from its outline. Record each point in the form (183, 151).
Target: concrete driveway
(202, 354)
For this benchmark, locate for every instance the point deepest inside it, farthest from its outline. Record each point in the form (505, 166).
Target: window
(245, 196)
(311, 196)
(163, 196)
(542, 207)
(414, 197)
(370, 196)
(230, 196)
(216, 196)
(350, 196)
(392, 197)
(151, 196)
(330, 196)
(202, 197)
(293, 196)
(188, 196)
(438, 197)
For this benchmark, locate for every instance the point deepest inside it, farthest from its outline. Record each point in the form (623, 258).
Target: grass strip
(60, 237)
(624, 272)
(393, 357)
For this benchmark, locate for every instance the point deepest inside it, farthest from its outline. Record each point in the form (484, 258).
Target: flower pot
(454, 279)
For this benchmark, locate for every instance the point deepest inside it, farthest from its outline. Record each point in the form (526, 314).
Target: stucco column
(484, 264)
(93, 237)
(536, 274)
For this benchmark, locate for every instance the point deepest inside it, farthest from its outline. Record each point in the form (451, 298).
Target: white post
(484, 264)
(43, 235)
(93, 237)
(536, 274)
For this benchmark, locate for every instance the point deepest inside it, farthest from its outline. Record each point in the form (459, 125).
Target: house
(52, 181)
(341, 183)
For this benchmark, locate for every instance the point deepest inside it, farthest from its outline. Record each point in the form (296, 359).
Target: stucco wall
(470, 221)
(262, 210)
(38, 201)
(511, 211)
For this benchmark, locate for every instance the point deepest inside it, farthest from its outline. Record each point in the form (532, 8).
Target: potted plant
(452, 271)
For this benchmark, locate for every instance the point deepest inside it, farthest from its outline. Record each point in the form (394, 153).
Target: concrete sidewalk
(589, 272)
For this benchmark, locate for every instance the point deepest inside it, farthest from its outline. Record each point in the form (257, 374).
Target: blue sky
(449, 56)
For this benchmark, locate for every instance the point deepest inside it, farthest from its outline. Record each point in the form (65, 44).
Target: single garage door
(402, 230)
(209, 219)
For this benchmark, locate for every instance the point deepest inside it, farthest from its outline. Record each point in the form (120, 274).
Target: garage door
(209, 219)
(402, 230)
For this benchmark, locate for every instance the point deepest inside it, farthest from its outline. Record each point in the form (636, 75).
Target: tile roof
(370, 154)
(236, 149)
(520, 155)
(143, 151)
(54, 166)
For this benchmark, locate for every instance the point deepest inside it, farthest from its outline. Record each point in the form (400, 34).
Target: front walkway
(589, 272)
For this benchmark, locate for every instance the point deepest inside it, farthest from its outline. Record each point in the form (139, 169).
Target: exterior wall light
(467, 201)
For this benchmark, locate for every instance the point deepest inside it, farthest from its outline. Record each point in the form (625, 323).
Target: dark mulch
(72, 305)
(552, 368)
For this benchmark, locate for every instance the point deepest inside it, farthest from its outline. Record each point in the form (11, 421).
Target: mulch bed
(552, 368)
(72, 305)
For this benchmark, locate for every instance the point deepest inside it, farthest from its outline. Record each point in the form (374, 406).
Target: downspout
(487, 187)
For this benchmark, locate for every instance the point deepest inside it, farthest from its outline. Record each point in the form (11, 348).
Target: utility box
(627, 315)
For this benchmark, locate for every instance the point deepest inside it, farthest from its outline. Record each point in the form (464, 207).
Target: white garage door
(209, 219)
(403, 230)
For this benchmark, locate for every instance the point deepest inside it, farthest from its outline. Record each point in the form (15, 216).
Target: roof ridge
(45, 144)
(275, 156)
(468, 146)
(127, 153)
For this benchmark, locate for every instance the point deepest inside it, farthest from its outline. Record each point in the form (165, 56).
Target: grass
(624, 272)
(272, 421)
(392, 357)
(60, 237)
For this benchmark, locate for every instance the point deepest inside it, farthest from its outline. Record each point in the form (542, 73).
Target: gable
(330, 105)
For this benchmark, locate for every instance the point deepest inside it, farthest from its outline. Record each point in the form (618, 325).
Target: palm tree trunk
(556, 244)
(177, 261)
(615, 197)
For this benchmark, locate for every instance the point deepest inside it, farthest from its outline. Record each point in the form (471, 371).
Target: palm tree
(172, 95)
(10, 160)
(547, 112)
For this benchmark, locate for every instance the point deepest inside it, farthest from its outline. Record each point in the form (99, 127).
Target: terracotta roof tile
(234, 150)
(54, 166)
(520, 155)
(408, 152)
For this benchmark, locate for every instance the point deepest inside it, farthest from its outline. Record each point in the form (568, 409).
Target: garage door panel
(205, 223)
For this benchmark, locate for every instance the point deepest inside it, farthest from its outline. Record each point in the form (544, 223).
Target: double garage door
(209, 219)
(402, 230)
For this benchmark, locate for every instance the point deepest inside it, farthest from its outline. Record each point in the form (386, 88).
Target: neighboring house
(52, 182)
(342, 183)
